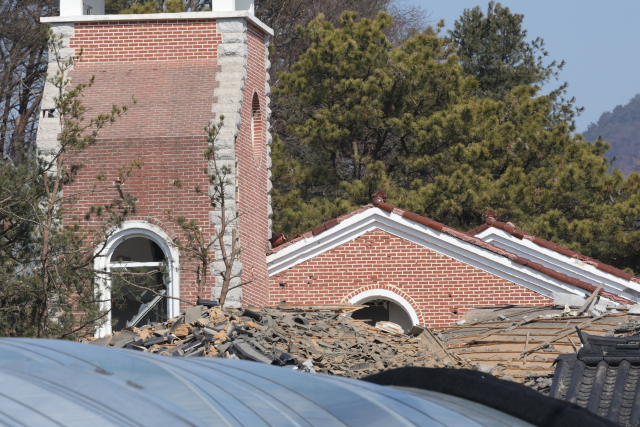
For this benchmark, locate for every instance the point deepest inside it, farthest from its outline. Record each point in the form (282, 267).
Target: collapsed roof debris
(313, 338)
(515, 343)
(521, 344)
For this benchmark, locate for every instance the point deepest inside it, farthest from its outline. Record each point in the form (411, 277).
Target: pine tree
(48, 285)
(370, 115)
(493, 48)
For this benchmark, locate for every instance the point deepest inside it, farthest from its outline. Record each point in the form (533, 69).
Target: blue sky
(599, 40)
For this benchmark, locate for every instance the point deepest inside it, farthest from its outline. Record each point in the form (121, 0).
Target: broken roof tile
(278, 240)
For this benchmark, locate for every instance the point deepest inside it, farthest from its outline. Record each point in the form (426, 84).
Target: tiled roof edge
(327, 225)
(467, 237)
(477, 230)
(488, 246)
(554, 247)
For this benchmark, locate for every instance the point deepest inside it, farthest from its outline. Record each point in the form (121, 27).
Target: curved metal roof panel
(62, 383)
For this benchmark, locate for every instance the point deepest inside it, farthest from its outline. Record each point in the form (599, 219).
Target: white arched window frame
(149, 231)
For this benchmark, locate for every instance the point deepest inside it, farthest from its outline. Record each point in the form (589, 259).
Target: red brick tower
(185, 70)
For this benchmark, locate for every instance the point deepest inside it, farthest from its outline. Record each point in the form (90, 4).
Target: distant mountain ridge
(621, 129)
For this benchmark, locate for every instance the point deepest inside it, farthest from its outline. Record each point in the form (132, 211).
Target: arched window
(384, 305)
(256, 128)
(141, 269)
(138, 283)
(379, 310)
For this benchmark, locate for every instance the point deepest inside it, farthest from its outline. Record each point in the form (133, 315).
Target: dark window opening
(138, 283)
(256, 128)
(382, 310)
(47, 113)
(138, 249)
(375, 311)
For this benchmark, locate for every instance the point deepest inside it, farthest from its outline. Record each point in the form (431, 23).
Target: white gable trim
(561, 263)
(443, 243)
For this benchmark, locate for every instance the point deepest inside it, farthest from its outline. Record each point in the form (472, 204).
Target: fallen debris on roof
(522, 343)
(514, 343)
(312, 338)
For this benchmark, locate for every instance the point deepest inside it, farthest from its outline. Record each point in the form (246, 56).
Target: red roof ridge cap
(563, 250)
(478, 230)
(385, 207)
(510, 228)
(477, 242)
(398, 211)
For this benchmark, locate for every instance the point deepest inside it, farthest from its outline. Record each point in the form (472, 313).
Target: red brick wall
(174, 98)
(439, 288)
(149, 40)
(163, 160)
(252, 177)
(169, 67)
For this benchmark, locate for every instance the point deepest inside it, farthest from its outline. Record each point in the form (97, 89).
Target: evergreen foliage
(493, 48)
(366, 115)
(48, 285)
(621, 129)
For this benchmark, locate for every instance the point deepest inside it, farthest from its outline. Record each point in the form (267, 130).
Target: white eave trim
(442, 243)
(160, 17)
(549, 258)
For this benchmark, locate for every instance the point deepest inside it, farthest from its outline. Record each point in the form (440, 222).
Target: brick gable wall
(439, 288)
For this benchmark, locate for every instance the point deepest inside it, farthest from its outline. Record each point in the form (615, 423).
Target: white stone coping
(160, 17)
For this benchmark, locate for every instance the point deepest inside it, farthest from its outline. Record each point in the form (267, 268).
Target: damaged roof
(286, 254)
(522, 343)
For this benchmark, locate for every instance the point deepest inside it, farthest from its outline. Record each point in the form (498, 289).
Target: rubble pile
(515, 343)
(310, 338)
